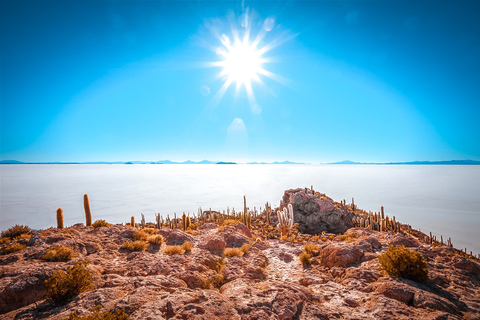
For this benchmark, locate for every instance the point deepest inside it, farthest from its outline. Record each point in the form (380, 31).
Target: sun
(242, 62)
(243, 55)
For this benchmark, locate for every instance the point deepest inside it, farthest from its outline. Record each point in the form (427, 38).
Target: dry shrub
(174, 250)
(244, 249)
(140, 235)
(119, 314)
(16, 231)
(398, 261)
(135, 245)
(5, 240)
(63, 286)
(156, 239)
(226, 223)
(187, 246)
(14, 247)
(59, 253)
(232, 252)
(305, 258)
(194, 226)
(101, 223)
(311, 249)
(150, 231)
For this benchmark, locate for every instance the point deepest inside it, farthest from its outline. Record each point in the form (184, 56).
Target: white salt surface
(441, 199)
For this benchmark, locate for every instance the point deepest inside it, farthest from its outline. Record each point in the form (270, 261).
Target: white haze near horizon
(437, 198)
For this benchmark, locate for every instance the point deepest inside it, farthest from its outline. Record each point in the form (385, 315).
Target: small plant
(244, 249)
(135, 245)
(305, 258)
(140, 235)
(311, 249)
(187, 246)
(59, 253)
(63, 286)
(15, 231)
(150, 231)
(174, 250)
(14, 247)
(5, 240)
(119, 314)
(100, 223)
(156, 240)
(232, 252)
(398, 261)
(25, 236)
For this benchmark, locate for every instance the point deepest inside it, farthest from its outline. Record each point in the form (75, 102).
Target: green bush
(100, 223)
(15, 231)
(64, 286)
(399, 261)
(58, 253)
(119, 314)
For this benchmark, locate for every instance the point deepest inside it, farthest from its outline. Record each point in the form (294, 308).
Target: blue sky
(372, 81)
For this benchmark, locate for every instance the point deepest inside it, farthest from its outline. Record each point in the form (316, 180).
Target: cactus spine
(59, 218)
(88, 213)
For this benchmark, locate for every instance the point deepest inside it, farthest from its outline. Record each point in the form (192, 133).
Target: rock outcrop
(315, 212)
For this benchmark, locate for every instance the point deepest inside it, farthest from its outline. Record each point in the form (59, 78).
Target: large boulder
(315, 213)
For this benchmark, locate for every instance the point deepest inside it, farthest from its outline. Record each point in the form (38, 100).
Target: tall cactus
(88, 213)
(59, 218)
(184, 222)
(132, 221)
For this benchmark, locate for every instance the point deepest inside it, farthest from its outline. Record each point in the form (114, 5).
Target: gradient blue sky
(367, 81)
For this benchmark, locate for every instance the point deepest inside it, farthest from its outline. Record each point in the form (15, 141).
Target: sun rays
(242, 55)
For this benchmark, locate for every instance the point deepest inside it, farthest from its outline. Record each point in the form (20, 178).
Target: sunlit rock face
(315, 212)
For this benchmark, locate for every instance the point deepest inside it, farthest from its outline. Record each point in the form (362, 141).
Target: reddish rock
(400, 239)
(214, 244)
(316, 213)
(338, 254)
(177, 237)
(460, 262)
(234, 239)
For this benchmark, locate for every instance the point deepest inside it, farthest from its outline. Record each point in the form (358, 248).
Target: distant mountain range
(345, 162)
(449, 162)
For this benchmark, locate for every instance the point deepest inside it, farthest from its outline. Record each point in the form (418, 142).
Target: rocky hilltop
(265, 279)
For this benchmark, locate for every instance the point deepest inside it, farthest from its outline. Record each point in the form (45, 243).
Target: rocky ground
(269, 282)
(344, 281)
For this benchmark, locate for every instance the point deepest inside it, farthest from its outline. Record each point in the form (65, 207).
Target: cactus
(382, 212)
(88, 213)
(184, 222)
(59, 218)
(158, 220)
(132, 221)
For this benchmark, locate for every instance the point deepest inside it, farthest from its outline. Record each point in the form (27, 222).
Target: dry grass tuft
(305, 258)
(232, 252)
(311, 249)
(156, 240)
(135, 245)
(15, 231)
(101, 223)
(58, 253)
(14, 247)
(187, 246)
(140, 235)
(174, 250)
(151, 231)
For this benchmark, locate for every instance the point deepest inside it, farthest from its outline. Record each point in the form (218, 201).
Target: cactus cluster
(376, 221)
(285, 218)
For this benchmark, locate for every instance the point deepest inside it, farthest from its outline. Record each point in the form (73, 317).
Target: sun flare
(242, 62)
(241, 55)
